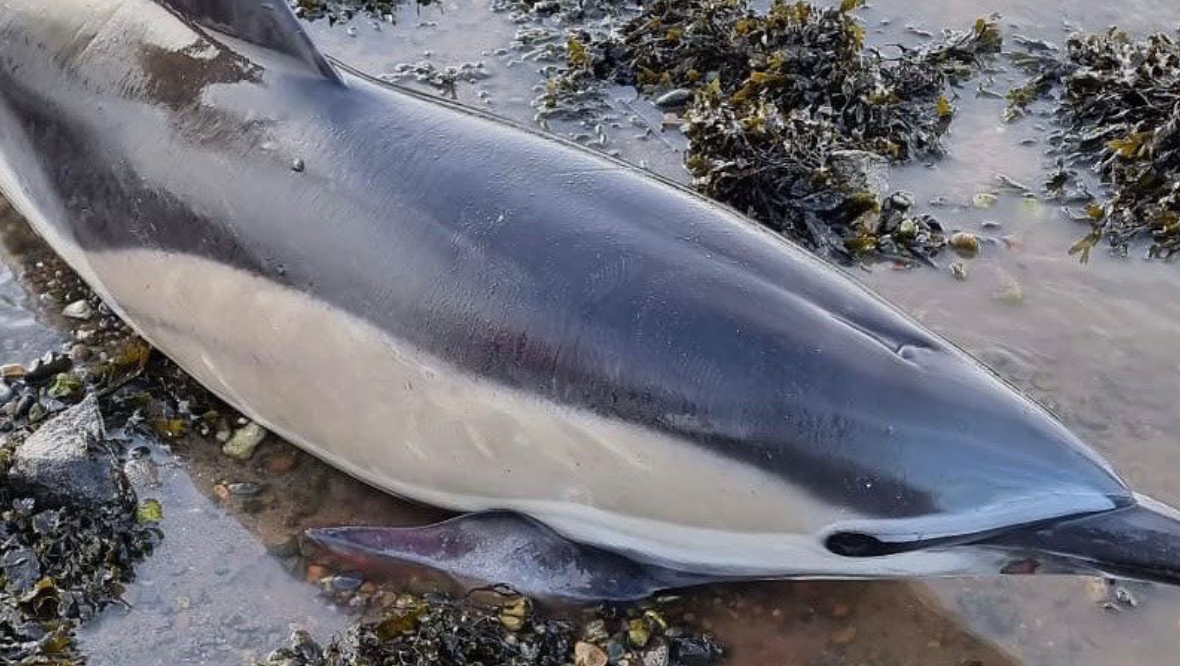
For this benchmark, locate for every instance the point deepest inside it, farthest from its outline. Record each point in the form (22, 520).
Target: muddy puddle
(1095, 342)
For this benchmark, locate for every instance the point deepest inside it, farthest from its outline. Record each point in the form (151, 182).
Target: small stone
(984, 200)
(244, 489)
(48, 366)
(245, 440)
(79, 353)
(588, 654)
(637, 633)
(297, 165)
(671, 120)
(78, 310)
(844, 636)
(316, 573)
(342, 584)
(966, 244)
(959, 271)
(656, 654)
(674, 98)
(991, 225)
(12, 371)
(221, 491)
(6, 393)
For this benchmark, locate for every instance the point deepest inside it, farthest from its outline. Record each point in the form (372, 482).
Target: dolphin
(622, 385)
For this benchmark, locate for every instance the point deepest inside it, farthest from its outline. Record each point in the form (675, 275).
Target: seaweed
(343, 10)
(60, 564)
(1119, 114)
(774, 95)
(507, 631)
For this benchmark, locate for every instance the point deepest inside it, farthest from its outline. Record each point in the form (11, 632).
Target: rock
(78, 310)
(674, 98)
(861, 171)
(67, 461)
(588, 654)
(21, 568)
(244, 441)
(6, 393)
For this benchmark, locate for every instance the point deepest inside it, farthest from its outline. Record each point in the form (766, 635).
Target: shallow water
(1093, 341)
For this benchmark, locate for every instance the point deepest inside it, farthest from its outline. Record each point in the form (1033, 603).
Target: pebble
(844, 636)
(78, 310)
(79, 353)
(959, 271)
(588, 654)
(674, 98)
(342, 583)
(991, 224)
(657, 654)
(984, 200)
(966, 244)
(671, 120)
(244, 442)
(12, 371)
(244, 489)
(6, 393)
(316, 572)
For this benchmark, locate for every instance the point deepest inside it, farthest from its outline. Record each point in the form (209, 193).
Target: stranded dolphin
(644, 388)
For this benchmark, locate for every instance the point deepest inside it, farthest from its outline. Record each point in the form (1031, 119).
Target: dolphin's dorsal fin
(269, 24)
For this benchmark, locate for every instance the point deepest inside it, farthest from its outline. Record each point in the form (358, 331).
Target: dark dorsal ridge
(268, 24)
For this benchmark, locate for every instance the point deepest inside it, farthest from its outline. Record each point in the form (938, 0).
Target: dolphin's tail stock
(1140, 541)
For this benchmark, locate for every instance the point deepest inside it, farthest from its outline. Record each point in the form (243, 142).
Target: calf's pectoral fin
(506, 549)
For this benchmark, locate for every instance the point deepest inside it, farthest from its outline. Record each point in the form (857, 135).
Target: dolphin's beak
(1140, 541)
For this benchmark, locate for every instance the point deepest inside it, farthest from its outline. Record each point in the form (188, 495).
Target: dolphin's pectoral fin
(508, 549)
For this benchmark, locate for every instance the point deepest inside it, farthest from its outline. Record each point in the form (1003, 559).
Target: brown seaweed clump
(437, 629)
(1117, 103)
(772, 96)
(63, 557)
(1120, 112)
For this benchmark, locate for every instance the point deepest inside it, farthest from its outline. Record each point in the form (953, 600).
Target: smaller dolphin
(644, 388)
